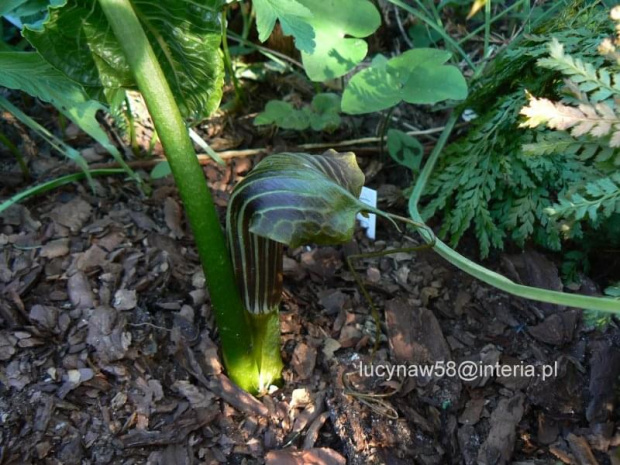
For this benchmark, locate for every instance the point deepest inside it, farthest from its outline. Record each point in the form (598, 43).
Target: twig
(367, 140)
(228, 154)
(401, 28)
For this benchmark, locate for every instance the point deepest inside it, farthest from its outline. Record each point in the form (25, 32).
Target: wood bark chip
(173, 216)
(581, 450)
(604, 374)
(304, 360)
(80, 292)
(498, 447)
(72, 214)
(414, 334)
(534, 269)
(321, 456)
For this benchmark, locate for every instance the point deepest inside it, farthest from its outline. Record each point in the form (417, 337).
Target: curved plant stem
(478, 271)
(234, 329)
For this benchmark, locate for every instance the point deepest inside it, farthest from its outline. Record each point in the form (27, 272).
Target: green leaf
(324, 115)
(321, 115)
(404, 149)
(283, 115)
(47, 136)
(19, 7)
(293, 17)
(77, 39)
(423, 36)
(161, 170)
(340, 26)
(417, 76)
(30, 73)
(30, 12)
(296, 198)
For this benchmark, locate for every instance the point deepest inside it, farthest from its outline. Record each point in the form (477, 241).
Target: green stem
(230, 315)
(434, 12)
(266, 333)
(62, 122)
(239, 95)
(247, 13)
(487, 29)
(495, 18)
(527, 10)
(4, 140)
(478, 271)
(383, 129)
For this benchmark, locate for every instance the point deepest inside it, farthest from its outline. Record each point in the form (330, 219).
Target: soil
(108, 350)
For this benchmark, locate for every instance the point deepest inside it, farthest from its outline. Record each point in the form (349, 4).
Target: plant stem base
(266, 349)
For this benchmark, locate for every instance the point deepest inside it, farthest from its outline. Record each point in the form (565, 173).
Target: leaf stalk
(230, 315)
(478, 271)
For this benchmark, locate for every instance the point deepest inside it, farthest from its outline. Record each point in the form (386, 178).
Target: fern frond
(597, 120)
(562, 143)
(588, 78)
(499, 180)
(595, 199)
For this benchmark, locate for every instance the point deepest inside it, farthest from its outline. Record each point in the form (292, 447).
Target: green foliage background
(485, 180)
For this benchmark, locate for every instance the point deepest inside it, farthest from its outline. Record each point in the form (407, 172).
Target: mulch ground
(108, 350)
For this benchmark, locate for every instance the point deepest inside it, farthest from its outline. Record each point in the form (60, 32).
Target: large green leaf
(293, 17)
(30, 73)
(293, 199)
(31, 12)
(339, 26)
(417, 76)
(77, 39)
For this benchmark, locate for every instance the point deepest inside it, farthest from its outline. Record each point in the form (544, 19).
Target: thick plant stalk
(231, 318)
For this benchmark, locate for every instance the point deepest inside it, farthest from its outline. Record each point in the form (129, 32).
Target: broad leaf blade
(77, 39)
(418, 76)
(340, 26)
(30, 12)
(283, 115)
(30, 73)
(293, 17)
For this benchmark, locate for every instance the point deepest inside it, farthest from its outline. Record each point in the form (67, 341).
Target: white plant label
(369, 197)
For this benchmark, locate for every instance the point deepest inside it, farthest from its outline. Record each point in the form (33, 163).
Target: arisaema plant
(169, 51)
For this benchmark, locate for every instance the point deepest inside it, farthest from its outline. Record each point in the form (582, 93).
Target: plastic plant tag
(369, 197)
